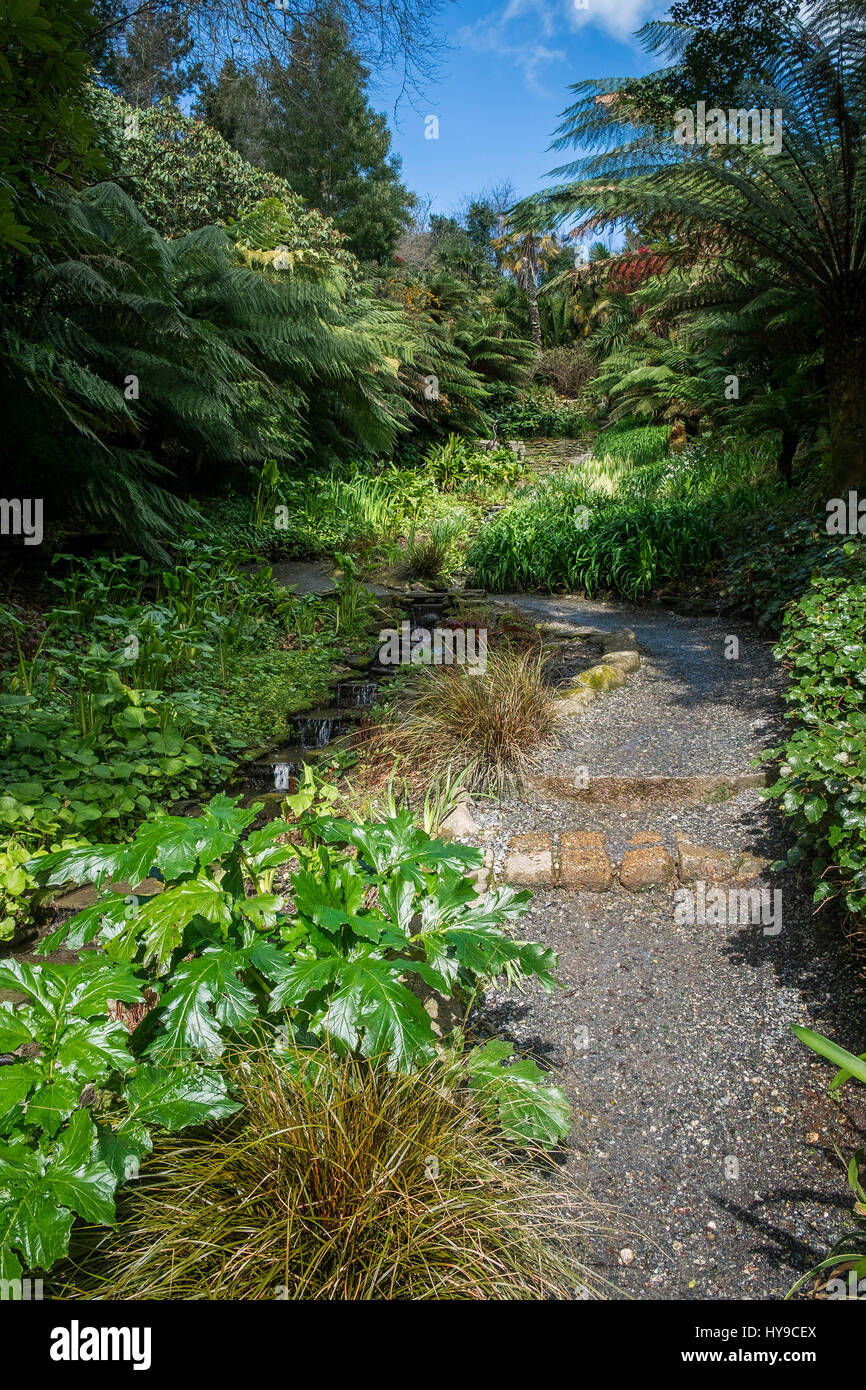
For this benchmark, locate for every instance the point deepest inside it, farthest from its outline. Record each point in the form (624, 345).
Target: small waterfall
(356, 694)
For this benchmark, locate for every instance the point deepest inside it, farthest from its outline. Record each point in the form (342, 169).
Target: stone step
(708, 788)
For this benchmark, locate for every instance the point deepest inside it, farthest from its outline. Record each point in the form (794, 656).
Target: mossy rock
(602, 677)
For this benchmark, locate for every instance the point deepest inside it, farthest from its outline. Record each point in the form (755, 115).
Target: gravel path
(690, 710)
(702, 1123)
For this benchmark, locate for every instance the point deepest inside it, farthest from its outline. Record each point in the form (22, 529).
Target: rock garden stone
(623, 640)
(602, 677)
(627, 662)
(460, 823)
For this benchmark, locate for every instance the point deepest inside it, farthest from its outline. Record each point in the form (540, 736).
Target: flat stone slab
(614, 791)
(305, 576)
(556, 629)
(87, 895)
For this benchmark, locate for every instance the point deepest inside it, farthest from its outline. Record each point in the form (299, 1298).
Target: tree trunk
(845, 366)
(534, 320)
(790, 439)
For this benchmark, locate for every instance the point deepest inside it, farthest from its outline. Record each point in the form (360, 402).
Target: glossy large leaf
(177, 1096)
(298, 978)
(15, 1027)
(159, 925)
(371, 1011)
(204, 998)
(528, 1110)
(77, 1175)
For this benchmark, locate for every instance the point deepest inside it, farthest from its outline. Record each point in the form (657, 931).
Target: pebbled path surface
(702, 1123)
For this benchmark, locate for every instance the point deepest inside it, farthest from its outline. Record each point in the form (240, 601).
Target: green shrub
(457, 464)
(540, 411)
(822, 779)
(774, 562)
(218, 957)
(56, 1160)
(432, 554)
(566, 369)
(371, 904)
(184, 176)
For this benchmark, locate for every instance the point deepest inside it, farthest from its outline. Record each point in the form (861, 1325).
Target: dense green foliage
(46, 129)
(774, 224)
(183, 175)
(56, 1161)
(136, 694)
(540, 412)
(820, 785)
(309, 121)
(613, 526)
(212, 962)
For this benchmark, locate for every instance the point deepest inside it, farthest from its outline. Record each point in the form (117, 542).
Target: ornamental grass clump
(487, 723)
(339, 1179)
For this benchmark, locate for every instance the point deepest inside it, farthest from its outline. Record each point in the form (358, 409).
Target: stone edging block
(582, 861)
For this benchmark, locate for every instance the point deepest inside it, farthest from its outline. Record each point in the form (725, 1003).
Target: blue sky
(502, 87)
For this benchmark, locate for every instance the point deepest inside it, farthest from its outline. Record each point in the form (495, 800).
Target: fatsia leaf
(10, 1265)
(160, 923)
(176, 845)
(373, 1012)
(540, 961)
(111, 911)
(397, 899)
(83, 988)
(177, 1096)
(205, 995)
(15, 1027)
(30, 1218)
(262, 910)
(479, 949)
(16, 1083)
(123, 1149)
(84, 864)
(398, 842)
(527, 1109)
(52, 1103)
(298, 978)
(456, 900)
(261, 849)
(79, 1178)
(88, 1051)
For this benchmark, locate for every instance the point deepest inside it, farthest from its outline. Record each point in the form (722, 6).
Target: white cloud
(619, 18)
(529, 55)
(505, 31)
